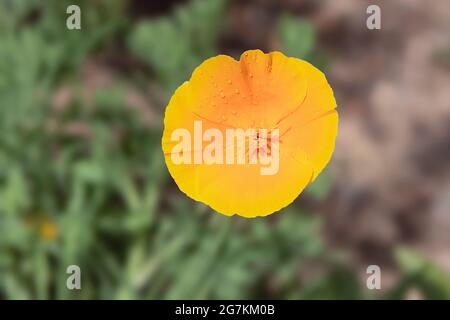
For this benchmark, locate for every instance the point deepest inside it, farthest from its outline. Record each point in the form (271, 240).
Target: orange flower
(287, 110)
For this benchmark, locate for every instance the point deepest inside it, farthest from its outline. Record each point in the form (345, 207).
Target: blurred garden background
(83, 180)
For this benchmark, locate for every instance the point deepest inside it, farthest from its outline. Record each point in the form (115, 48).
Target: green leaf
(431, 280)
(174, 45)
(297, 36)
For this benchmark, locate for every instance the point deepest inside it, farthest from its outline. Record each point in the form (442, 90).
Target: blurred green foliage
(297, 36)
(102, 199)
(174, 45)
(420, 274)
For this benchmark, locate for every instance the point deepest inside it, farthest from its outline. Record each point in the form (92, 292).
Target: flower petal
(254, 92)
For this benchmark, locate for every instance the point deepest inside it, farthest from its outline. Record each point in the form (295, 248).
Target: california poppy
(259, 94)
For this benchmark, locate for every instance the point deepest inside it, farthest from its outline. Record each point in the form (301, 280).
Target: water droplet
(236, 90)
(233, 112)
(224, 118)
(222, 95)
(230, 82)
(251, 75)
